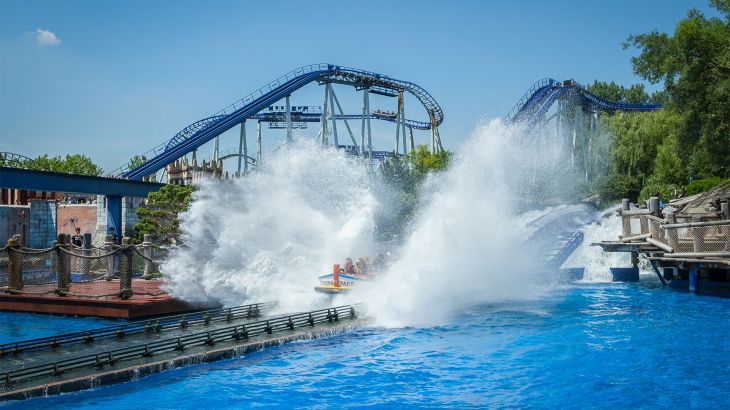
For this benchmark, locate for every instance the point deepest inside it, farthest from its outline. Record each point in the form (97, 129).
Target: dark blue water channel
(588, 345)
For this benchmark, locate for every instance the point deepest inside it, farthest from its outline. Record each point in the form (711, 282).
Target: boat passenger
(379, 263)
(360, 267)
(349, 267)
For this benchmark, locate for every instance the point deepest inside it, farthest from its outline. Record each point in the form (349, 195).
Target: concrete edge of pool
(131, 373)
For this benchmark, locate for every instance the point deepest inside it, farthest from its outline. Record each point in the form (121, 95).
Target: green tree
(159, 217)
(694, 66)
(72, 164)
(422, 162)
(405, 176)
(136, 161)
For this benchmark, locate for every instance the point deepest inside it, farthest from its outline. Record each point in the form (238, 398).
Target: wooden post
(86, 263)
(15, 266)
(109, 248)
(125, 273)
(654, 205)
(625, 220)
(63, 272)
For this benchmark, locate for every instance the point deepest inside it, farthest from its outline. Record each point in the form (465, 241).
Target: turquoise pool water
(22, 326)
(592, 345)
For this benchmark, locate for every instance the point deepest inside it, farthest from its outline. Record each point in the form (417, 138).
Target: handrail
(209, 338)
(162, 323)
(696, 224)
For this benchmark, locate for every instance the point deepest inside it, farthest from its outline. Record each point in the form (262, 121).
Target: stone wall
(129, 217)
(101, 217)
(42, 223)
(129, 214)
(14, 220)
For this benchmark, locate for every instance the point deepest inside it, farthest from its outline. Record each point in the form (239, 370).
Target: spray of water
(465, 247)
(269, 235)
(592, 258)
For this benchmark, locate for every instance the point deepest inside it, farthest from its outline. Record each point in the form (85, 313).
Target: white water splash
(596, 262)
(268, 236)
(465, 248)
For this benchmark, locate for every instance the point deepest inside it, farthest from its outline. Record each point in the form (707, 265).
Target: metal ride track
(535, 103)
(202, 131)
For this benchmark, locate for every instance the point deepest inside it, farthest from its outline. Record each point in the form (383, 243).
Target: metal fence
(109, 271)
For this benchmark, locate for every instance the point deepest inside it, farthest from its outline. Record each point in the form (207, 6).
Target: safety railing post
(85, 262)
(125, 274)
(654, 205)
(147, 248)
(625, 220)
(15, 266)
(109, 248)
(63, 271)
(654, 230)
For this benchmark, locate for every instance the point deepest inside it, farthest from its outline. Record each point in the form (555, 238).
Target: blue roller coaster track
(536, 102)
(202, 131)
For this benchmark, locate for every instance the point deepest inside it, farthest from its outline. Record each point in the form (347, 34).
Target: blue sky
(111, 79)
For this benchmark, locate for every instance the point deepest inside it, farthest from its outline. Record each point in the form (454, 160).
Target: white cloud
(46, 38)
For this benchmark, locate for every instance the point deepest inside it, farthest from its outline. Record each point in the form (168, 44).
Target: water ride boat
(338, 281)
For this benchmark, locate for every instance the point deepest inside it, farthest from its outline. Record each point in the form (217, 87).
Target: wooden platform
(149, 300)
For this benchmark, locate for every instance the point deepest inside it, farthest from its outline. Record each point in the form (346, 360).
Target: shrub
(704, 184)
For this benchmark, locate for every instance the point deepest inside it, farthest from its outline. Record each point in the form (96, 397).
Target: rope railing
(64, 269)
(234, 333)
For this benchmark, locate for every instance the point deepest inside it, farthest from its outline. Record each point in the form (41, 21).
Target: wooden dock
(687, 249)
(99, 299)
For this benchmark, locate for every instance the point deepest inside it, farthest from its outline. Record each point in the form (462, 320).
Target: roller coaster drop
(256, 104)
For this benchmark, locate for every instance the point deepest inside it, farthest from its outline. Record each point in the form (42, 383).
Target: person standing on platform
(78, 239)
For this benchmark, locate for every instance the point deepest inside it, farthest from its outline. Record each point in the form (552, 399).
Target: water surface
(587, 345)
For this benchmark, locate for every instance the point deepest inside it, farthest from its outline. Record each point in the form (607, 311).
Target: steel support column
(413, 145)
(344, 118)
(367, 117)
(332, 114)
(242, 149)
(323, 124)
(288, 120)
(258, 143)
(435, 137)
(362, 133)
(402, 109)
